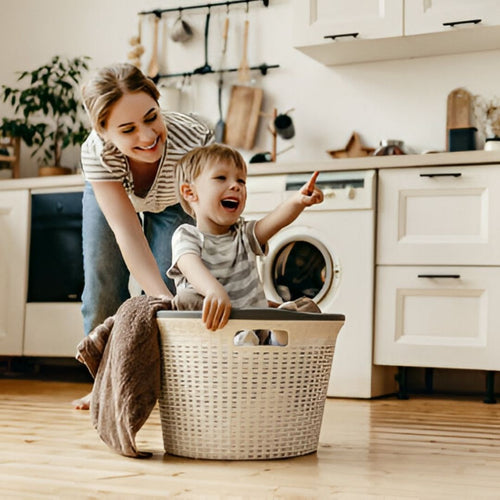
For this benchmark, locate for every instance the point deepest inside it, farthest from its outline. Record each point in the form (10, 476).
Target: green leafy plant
(50, 109)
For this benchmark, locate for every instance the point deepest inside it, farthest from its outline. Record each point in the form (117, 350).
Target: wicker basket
(221, 401)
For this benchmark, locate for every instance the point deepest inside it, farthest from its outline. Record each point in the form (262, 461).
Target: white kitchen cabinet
(318, 19)
(441, 317)
(393, 29)
(14, 230)
(52, 328)
(439, 216)
(444, 15)
(438, 268)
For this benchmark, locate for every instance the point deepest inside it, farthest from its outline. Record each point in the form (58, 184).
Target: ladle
(206, 68)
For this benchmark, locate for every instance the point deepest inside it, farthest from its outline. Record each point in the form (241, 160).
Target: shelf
(358, 50)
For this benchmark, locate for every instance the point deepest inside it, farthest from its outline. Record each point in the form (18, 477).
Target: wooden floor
(422, 448)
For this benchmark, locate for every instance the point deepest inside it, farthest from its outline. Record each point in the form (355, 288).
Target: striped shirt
(230, 257)
(102, 161)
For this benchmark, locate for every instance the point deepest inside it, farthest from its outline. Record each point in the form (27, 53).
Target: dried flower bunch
(487, 114)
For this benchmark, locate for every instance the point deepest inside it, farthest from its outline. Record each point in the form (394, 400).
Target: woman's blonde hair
(190, 166)
(108, 85)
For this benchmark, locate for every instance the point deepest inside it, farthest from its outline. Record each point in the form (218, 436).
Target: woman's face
(136, 127)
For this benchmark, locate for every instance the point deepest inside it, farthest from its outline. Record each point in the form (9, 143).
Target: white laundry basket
(221, 401)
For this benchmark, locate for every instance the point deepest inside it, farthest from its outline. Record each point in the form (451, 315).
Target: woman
(130, 207)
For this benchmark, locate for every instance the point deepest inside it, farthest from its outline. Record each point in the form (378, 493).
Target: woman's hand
(216, 309)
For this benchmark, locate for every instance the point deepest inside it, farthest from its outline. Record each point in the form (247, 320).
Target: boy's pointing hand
(311, 195)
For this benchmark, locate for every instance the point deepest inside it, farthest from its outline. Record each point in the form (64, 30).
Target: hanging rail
(159, 12)
(263, 68)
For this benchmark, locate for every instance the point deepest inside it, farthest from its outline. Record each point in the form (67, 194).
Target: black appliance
(56, 260)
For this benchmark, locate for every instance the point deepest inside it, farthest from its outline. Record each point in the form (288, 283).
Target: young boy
(217, 258)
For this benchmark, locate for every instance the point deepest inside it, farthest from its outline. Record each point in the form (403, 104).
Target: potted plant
(49, 112)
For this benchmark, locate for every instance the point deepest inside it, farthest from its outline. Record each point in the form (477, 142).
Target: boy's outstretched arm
(216, 304)
(289, 210)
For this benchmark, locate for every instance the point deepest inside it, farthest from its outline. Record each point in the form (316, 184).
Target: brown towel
(127, 372)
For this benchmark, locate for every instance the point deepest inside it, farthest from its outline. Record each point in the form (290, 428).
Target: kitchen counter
(379, 162)
(365, 163)
(49, 181)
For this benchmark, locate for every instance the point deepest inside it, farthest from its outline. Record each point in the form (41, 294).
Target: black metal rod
(262, 68)
(490, 388)
(159, 12)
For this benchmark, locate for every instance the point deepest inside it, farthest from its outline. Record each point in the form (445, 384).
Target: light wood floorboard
(422, 448)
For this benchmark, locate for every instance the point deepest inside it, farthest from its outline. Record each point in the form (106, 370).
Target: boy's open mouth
(230, 203)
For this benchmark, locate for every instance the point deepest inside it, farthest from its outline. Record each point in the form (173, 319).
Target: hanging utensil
(153, 67)
(206, 68)
(181, 31)
(220, 126)
(244, 68)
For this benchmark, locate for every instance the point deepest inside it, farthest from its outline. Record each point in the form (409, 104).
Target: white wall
(398, 99)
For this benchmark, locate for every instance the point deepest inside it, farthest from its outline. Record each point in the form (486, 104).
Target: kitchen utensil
(390, 147)
(220, 126)
(244, 68)
(153, 67)
(458, 112)
(181, 30)
(283, 125)
(206, 68)
(243, 116)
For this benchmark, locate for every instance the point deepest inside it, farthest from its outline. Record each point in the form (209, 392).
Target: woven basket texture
(227, 402)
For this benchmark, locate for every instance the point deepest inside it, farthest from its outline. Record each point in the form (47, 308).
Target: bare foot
(82, 403)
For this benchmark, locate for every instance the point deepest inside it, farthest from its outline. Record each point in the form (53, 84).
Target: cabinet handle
(451, 174)
(455, 23)
(333, 37)
(453, 276)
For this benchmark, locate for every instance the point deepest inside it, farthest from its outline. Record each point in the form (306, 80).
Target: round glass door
(302, 268)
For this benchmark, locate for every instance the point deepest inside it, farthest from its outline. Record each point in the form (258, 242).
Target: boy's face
(218, 196)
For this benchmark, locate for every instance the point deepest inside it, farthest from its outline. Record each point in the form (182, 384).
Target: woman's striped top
(102, 161)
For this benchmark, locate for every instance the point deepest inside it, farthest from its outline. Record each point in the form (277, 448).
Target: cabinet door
(53, 328)
(439, 216)
(14, 227)
(444, 317)
(432, 16)
(317, 19)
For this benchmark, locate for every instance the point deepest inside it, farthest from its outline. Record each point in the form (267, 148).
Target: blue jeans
(106, 275)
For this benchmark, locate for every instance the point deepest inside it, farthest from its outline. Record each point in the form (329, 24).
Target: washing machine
(327, 254)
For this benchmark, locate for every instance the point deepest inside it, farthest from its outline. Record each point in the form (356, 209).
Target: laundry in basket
(223, 401)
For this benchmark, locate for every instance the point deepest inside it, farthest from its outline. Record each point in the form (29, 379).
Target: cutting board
(243, 116)
(458, 111)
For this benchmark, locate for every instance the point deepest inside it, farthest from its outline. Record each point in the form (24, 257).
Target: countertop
(365, 163)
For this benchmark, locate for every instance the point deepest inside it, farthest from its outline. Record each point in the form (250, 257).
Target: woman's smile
(152, 146)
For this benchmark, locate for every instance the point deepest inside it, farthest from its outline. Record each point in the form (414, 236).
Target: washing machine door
(298, 265)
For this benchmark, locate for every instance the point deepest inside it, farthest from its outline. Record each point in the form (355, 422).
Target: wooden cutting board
(458, 111)
(243, 116)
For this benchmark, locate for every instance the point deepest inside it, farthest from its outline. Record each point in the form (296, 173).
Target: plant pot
(5, 173)
(44, 171)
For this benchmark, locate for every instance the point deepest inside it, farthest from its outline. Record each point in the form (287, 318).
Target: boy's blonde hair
(190, 166)
(108, 85)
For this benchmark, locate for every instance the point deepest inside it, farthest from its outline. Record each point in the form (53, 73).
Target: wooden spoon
(244, 68)
(153, 67)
